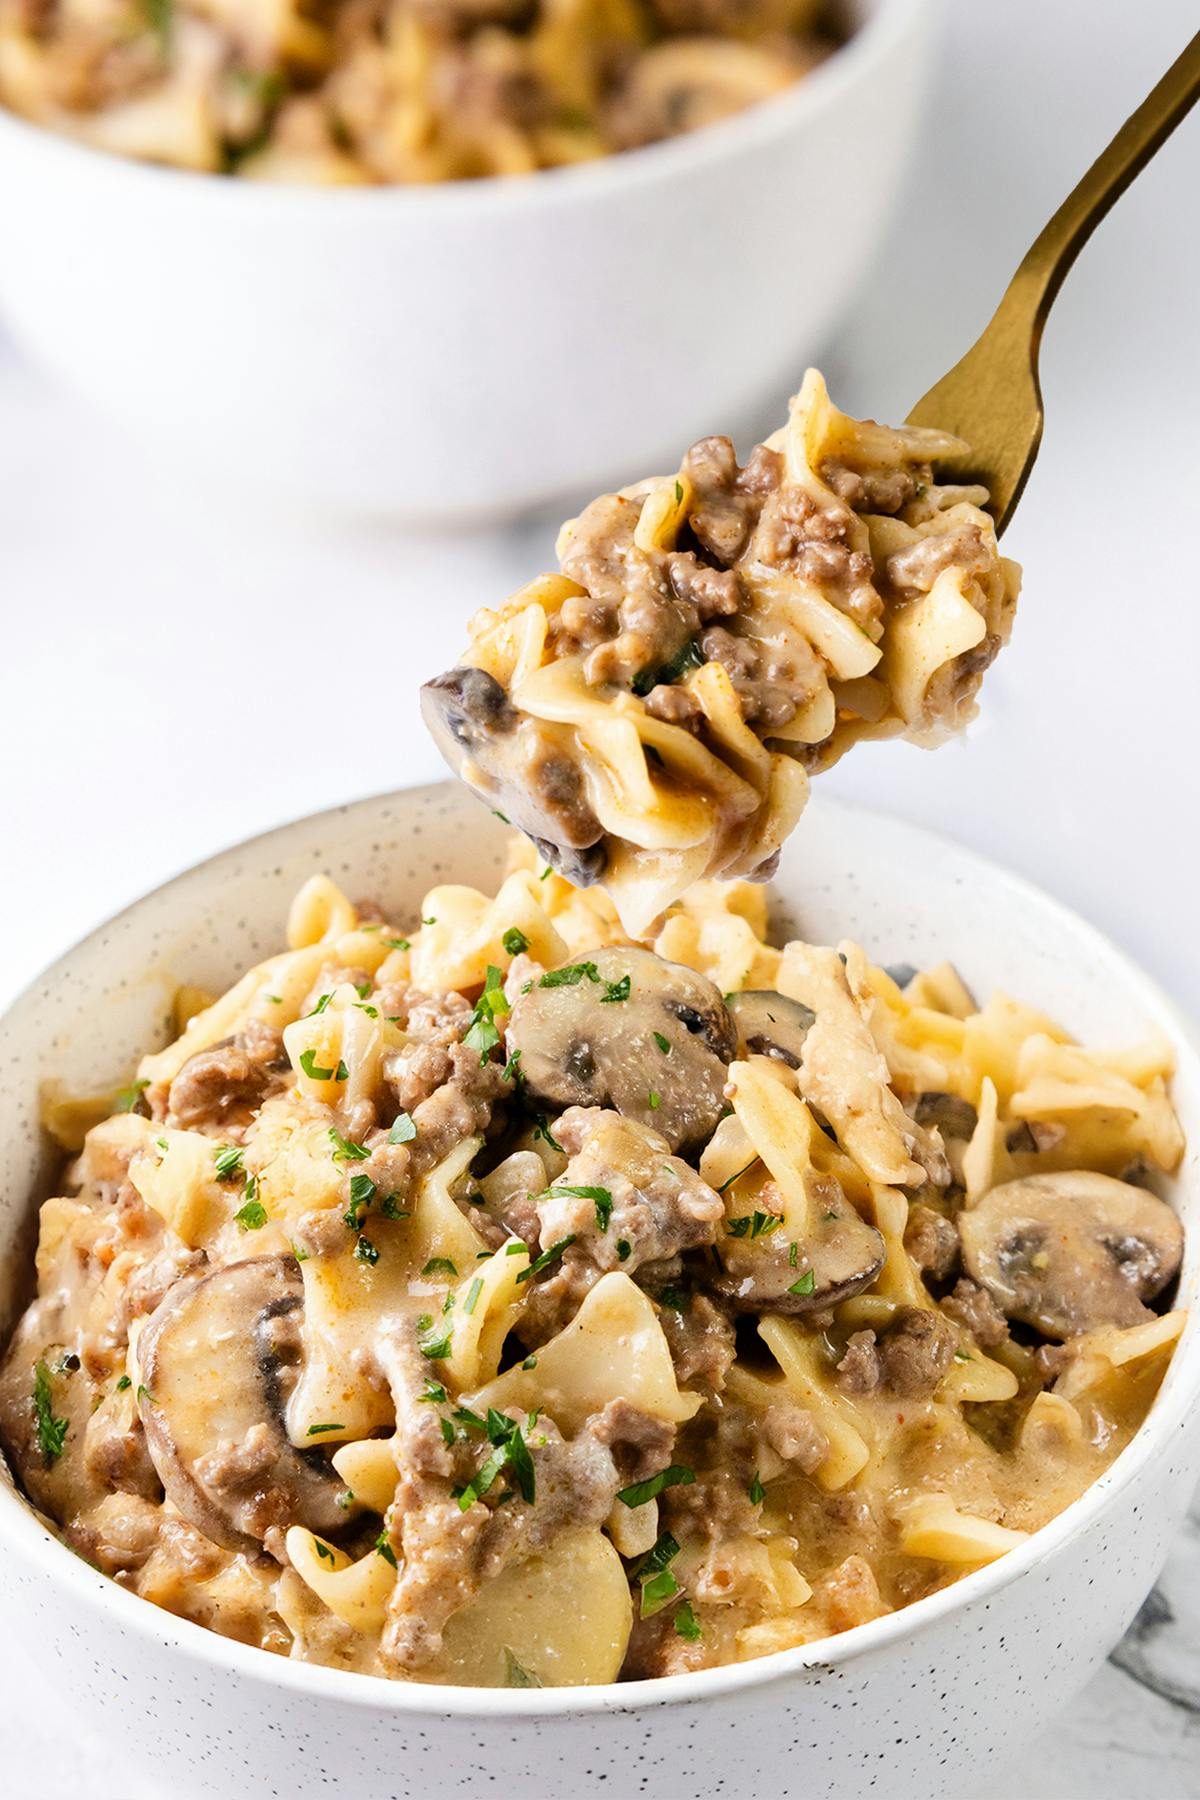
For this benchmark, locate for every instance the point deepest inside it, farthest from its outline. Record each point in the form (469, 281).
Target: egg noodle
(347, 92)
(495, 1300)
(651, 714)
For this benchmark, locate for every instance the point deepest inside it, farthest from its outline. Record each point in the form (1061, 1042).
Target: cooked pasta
(650, 715)
(500, 1300)
(349, 92)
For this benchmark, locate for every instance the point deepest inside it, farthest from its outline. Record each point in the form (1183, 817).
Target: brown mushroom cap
(218, 1358)
(841, 1253)
(660, 1055)
(1073, 1251)
(769, 1024)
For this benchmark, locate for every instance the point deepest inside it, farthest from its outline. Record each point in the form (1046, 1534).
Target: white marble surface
(160, 646)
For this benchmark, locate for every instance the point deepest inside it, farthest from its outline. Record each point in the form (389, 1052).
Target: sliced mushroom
(1072, 1251)
(954, 1118)
(769, 1024)
(523, 767)
(650, 1038)
(840, 1256)
(218, 1359)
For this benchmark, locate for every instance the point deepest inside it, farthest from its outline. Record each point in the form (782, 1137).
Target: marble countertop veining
(128, 599)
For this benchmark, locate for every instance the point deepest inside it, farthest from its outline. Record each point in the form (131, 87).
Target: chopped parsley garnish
(794, 1254)
(436, 1348)
(530, 1362)
(275, 999)
(541, 1129)
(483, 1034)
(428, 921)
(657, 1591)
(383, 1548)
(752, 1225)
(299, 1252)
(390, 1207)
(546, 1258)
(324, 1551)
(738, 1176)
(366, 1252)
(361, 1006)
(512, 1070)
(963, 1356)
(757, 1492)
(655, 1100)
(805, 1285)
(316, 1430)
(678, 1299)
(686, 1623)
(514, 1675)
(679, 493)
(127, 1099)
(433, 1392)
(345, 1499)
(362, 989)
(515, 941)
(143, 1393)
(403, 1130)
(641, 1491)
(345, 1151)
(473, 1293)
(314, 1071)
(623, 1249)
(362, 1192)
(228, 1162)
(664, 1043)
(252, 1216)
(509, 1451)
(123, 1383)
(51, 1431)
(690, 657)
(601, 1196)
(615, 991)
(570, 975)
(397, 943)
(664, 1552)
(440, 1265)
(322, 1003)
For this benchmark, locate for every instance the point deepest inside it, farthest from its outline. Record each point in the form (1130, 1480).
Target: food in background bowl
(497, 1300)
(356, 91)
(650, 714)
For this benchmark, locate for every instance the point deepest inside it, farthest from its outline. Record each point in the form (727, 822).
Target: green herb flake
(390, 1207)
(624, 1248)
(655, 1100)
(657, 1591)
(325, 1551)
(757, 1492)
(546, 1258)
(441, 1265)
(314, 1071)
(436, 1349)
(570, 975)
(616, 991)
(252, 1216)
(686, 1623)
(679, 493)
(600, 1195)
(143, 1393)
(805, 1285)
(320, 1007)
(397, 943)
(473, 1293)
(530, 1362)
(541, 1129)
(228, 1162)
(127, 1099)
(366, 1252)
(664, 1043)
(124, 1384)
(319, 1430)
(753, 1225)
(383, 1548)
(515, 942)
(642, 1491)
(794, 1254)
(51, 1431)
(344, 1150)
(403, 1130)
(515, 1676)
(434, 1392)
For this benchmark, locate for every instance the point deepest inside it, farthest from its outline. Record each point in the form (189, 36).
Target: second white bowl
(471, 349)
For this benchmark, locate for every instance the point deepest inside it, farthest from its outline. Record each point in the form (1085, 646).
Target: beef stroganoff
(350, 92)
(494, 1299)
(651, 714)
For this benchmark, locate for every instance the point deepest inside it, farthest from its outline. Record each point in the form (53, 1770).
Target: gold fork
(993, 398)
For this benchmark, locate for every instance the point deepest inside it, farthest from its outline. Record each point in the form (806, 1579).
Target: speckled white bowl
(909, 1704)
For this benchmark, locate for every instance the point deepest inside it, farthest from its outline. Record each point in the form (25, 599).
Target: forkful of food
(651, 714)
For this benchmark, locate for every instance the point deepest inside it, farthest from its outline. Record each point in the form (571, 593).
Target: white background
(179, 672)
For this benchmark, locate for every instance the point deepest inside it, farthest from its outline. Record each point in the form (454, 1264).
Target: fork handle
(1043, 268)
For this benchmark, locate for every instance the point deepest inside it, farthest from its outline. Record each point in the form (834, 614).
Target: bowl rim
(21, 1522)
(887, 25)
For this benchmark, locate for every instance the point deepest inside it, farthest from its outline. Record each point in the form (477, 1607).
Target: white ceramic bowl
(908, 1704)
(470, 349)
